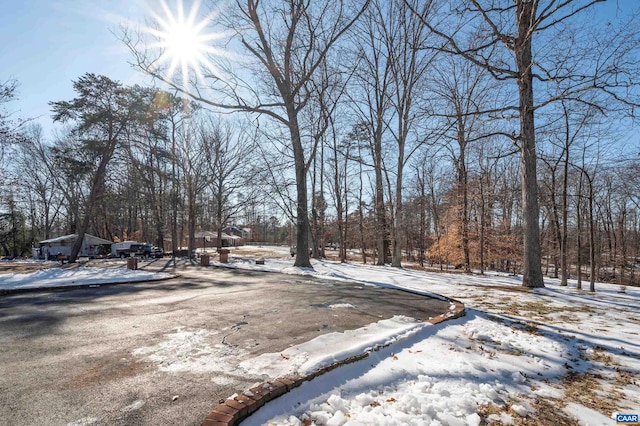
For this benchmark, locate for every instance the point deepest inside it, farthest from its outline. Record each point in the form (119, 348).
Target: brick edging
(234, 410)
(77, 286)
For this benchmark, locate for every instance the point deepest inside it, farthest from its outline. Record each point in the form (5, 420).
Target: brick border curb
(77, 286)
(234, 410)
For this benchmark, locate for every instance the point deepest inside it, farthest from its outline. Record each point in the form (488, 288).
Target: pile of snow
(57, 277)
(441, 373)
(329, 348)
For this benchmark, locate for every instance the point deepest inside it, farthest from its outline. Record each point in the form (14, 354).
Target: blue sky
(46, 44)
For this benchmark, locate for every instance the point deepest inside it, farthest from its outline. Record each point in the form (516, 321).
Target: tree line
(131, 163)
(481, 134)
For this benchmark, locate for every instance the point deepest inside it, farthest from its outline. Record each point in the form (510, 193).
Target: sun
(184, 41)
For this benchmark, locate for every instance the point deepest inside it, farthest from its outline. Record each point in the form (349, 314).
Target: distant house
(243, 233)
(208, 239)
(92, 246)
(231, 240)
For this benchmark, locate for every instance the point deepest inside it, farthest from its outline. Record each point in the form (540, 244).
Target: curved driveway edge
(234, 410)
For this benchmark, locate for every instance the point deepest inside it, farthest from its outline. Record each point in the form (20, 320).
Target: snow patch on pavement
(136, 405)
(329, 348)
(85, 421)
(341, 306)
(191, 351)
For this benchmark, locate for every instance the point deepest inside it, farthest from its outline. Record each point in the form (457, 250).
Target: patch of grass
(626, 378)
(11, 268)
(622, 377)
(527, 327)
(585, 389)
(507, 288)
(600, 355)
(487, 410)
(544, 308)
(257, 252)
(548, 412)
(489, 353)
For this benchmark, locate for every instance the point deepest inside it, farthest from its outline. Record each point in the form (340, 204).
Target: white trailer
(122, 249)
(92, 246)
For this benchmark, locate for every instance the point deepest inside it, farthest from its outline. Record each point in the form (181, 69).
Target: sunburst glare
(185, 41)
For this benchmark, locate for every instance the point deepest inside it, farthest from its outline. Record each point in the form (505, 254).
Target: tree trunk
(174, 195)
(423, 219)
(219, 223)
(565, 216)
(361, 220)
(557, 245)
(592, 240)
(483, 222)
(579, 231)
(623, 244)
(396, 259)
(381, 226)
(532, 266)
(302, 218)
(339, 209)
(463, 193)
(191, 218)
(96, 189)
(343, 247)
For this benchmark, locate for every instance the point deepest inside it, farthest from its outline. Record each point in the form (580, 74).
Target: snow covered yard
(62, 277)
(549, 356)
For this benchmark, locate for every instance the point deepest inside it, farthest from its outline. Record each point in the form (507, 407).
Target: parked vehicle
(123, 249)
(134, 248)
(157, 252)
(143, 250)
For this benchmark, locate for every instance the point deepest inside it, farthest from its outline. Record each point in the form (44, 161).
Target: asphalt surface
(72, 357)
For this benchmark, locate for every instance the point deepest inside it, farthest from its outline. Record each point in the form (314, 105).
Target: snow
(512, 349)
(189, 351)
(86, 421)
(57, 277)
(136, 405)
(329, 348)
(507, 361)
(340, 306)
(588, 417)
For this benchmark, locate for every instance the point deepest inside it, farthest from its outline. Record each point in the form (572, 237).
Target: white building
(92, 246)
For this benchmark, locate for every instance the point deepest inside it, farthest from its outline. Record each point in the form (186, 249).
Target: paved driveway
(164, 353)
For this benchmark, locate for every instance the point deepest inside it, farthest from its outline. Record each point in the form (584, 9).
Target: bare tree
(403, 35)
(463, 89)
(40, 182)
(371, 97)
(509, 31)
(9, 128)
(194, 150)
(289, 42)
(229, 169)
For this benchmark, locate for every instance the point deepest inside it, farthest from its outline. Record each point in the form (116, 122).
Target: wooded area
(477, 135)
